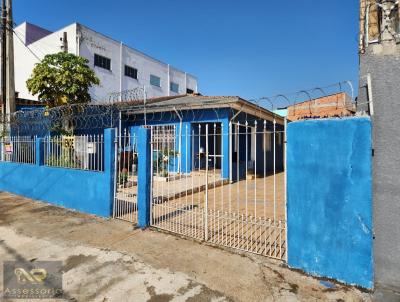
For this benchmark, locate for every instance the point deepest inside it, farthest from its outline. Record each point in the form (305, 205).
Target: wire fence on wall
(128, 105)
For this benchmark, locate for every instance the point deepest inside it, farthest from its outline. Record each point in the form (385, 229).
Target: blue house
(236, 133)
(224, 133)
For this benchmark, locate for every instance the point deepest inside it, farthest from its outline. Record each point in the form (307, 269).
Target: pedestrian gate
(223, 187)
(125, 180)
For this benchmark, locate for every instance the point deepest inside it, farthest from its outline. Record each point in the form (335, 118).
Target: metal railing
(83, 152)
(18, 149)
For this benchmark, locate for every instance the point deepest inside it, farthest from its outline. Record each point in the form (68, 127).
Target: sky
(251, 48)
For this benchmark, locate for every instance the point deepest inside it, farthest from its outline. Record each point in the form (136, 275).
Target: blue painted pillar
(39, 154)
(144, 177)
(186, 148)
(109, 167)
(225, 148)
(134, 131)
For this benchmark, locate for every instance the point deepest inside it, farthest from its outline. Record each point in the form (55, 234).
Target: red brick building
(335, 105)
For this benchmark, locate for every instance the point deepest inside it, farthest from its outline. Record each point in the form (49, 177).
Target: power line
(23, 43)
(41, 41)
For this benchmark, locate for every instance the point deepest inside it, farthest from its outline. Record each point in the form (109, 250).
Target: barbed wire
(137, 94)
(129, 106)
(293, 99)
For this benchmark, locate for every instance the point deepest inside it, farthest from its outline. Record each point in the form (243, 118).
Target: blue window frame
(174, 87)
(155, 80)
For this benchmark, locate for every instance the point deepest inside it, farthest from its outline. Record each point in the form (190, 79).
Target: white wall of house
(87, 42)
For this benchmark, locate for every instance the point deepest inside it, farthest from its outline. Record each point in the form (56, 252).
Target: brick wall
(330, 106)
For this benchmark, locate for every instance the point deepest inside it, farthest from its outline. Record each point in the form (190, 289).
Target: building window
(155, 80)
(189, 91)
(174, 87)
(131, 72)
(102, 62)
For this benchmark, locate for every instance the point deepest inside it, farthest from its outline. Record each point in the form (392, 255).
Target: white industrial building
(118, 66)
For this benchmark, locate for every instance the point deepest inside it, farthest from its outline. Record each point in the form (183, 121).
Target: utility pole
(10, 81)
(3, 60)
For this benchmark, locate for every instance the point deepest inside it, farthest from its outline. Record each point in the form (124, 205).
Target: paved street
(108, 260)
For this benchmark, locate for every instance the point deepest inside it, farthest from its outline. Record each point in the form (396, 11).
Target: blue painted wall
(85, 191)
(329, 199)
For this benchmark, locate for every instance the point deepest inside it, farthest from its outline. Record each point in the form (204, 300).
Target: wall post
(109, 166)
(39, 154)
(144, 177)
(186, 153)
(225, 141)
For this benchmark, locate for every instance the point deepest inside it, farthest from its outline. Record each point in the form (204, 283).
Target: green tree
(62, 78)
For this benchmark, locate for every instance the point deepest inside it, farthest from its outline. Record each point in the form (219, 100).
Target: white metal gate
(223, 187)
(125, 181)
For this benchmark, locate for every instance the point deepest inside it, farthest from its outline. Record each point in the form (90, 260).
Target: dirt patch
(207, 295)
(76, 260)
(158, 298)
(99, 291)
(294, 288)
(279, 275)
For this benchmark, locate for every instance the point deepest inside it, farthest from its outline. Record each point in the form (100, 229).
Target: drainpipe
(180, 139)
(144, 104)
(185, 83)
(169, 82)
(120, 71)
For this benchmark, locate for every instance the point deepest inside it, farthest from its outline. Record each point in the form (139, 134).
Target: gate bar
(206, 193)
(116, 159)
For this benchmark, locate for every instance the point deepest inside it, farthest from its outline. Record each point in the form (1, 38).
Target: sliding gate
(222, 187)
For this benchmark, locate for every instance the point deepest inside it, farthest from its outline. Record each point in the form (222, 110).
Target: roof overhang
(237, 104)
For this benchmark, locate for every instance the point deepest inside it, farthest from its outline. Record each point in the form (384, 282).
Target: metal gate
(223, 187)
(125, 181)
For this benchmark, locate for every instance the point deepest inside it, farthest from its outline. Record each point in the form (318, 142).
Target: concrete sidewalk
(108, 260)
